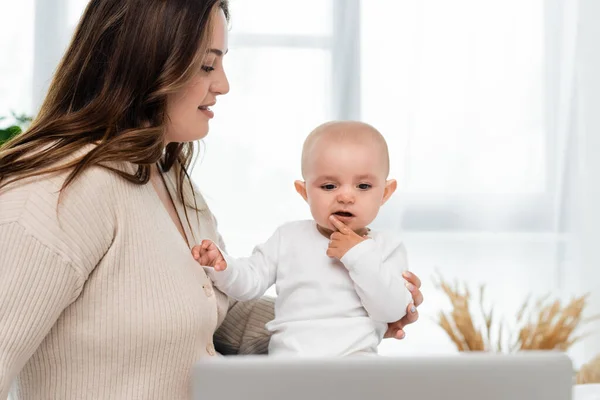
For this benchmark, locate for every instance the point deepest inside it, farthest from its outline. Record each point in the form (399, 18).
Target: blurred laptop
(466, 376)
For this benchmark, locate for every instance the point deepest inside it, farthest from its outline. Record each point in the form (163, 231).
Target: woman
(100, 296)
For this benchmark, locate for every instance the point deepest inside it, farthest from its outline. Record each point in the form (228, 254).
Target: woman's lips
(207, 111)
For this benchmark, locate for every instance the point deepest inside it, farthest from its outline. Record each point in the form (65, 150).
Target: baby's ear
(390, 188)
(301, 189)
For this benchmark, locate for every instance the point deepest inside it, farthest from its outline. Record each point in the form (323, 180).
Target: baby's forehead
(346, 131)
(344, 176)
(344, 136)
(346, 160)
(324, 145)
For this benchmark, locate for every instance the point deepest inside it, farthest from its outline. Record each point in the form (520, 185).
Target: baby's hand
(342, 240)
(207, 253)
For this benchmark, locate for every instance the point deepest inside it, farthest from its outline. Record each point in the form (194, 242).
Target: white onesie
(324, 307)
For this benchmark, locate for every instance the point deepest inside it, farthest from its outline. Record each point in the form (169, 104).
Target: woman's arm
(46, 254)
(36, 285)
(243, 330)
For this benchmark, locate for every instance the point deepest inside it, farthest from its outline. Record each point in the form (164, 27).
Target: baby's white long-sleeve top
(324, 306)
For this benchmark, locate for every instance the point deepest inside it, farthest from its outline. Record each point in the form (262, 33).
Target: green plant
(21, 121)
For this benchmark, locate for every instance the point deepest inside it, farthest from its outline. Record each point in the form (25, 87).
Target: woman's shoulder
(49, 184)
(92, 185)
(76, 224)
(41, 199)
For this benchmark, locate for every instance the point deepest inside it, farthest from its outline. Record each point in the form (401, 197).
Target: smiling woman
(78, 221)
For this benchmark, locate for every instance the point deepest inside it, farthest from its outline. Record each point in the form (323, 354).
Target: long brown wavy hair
(111, 89)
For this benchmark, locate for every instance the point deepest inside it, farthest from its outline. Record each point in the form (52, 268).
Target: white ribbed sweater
(103, 299)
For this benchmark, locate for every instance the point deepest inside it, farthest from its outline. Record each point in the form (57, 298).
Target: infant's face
(347, 180)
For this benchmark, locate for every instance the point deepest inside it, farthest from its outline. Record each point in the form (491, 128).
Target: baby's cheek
(320, 215)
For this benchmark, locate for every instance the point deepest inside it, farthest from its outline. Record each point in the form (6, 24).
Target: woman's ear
(301, 189)
(390, 188)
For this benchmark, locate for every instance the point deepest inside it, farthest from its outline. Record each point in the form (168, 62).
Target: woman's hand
(396, 329)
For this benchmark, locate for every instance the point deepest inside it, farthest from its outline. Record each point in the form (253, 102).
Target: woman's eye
(328, 186)
(208, 68)
(364, 186)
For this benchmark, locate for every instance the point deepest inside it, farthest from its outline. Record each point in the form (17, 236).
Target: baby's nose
(345, 198)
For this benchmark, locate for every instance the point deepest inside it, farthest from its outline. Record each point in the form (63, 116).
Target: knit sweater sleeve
(46, 254)
(243, 331)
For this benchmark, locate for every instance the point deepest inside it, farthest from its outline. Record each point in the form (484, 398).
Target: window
(16, 66)
(463, 92)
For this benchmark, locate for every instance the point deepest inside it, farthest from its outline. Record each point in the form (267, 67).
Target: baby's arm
(241, 278)
(376, 270)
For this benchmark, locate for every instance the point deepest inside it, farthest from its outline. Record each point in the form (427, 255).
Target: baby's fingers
(196, 252)
(341, 227)
(220, 265)
(205, 260)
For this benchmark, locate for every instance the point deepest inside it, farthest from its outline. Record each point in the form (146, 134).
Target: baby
(338, 282)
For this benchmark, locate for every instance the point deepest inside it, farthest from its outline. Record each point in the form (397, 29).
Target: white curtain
(487, 107)
(585, 203)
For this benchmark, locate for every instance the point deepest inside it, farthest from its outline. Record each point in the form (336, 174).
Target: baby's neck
(327, 232)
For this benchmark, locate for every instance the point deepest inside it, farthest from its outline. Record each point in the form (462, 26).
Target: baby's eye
(328, 186)
(364, 186)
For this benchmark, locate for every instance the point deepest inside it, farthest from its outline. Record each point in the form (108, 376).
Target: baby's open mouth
(343, 214)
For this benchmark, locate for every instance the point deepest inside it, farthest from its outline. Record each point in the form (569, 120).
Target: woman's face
(190, 109)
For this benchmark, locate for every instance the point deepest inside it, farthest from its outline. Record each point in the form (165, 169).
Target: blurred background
(489, 107)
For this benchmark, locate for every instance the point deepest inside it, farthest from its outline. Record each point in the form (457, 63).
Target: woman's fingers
(413, 285)
(412, 278)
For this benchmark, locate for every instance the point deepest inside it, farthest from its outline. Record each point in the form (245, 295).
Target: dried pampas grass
(540, 325)
(590, 372)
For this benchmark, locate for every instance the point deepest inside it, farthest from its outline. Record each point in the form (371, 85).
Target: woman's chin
(188, 138)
